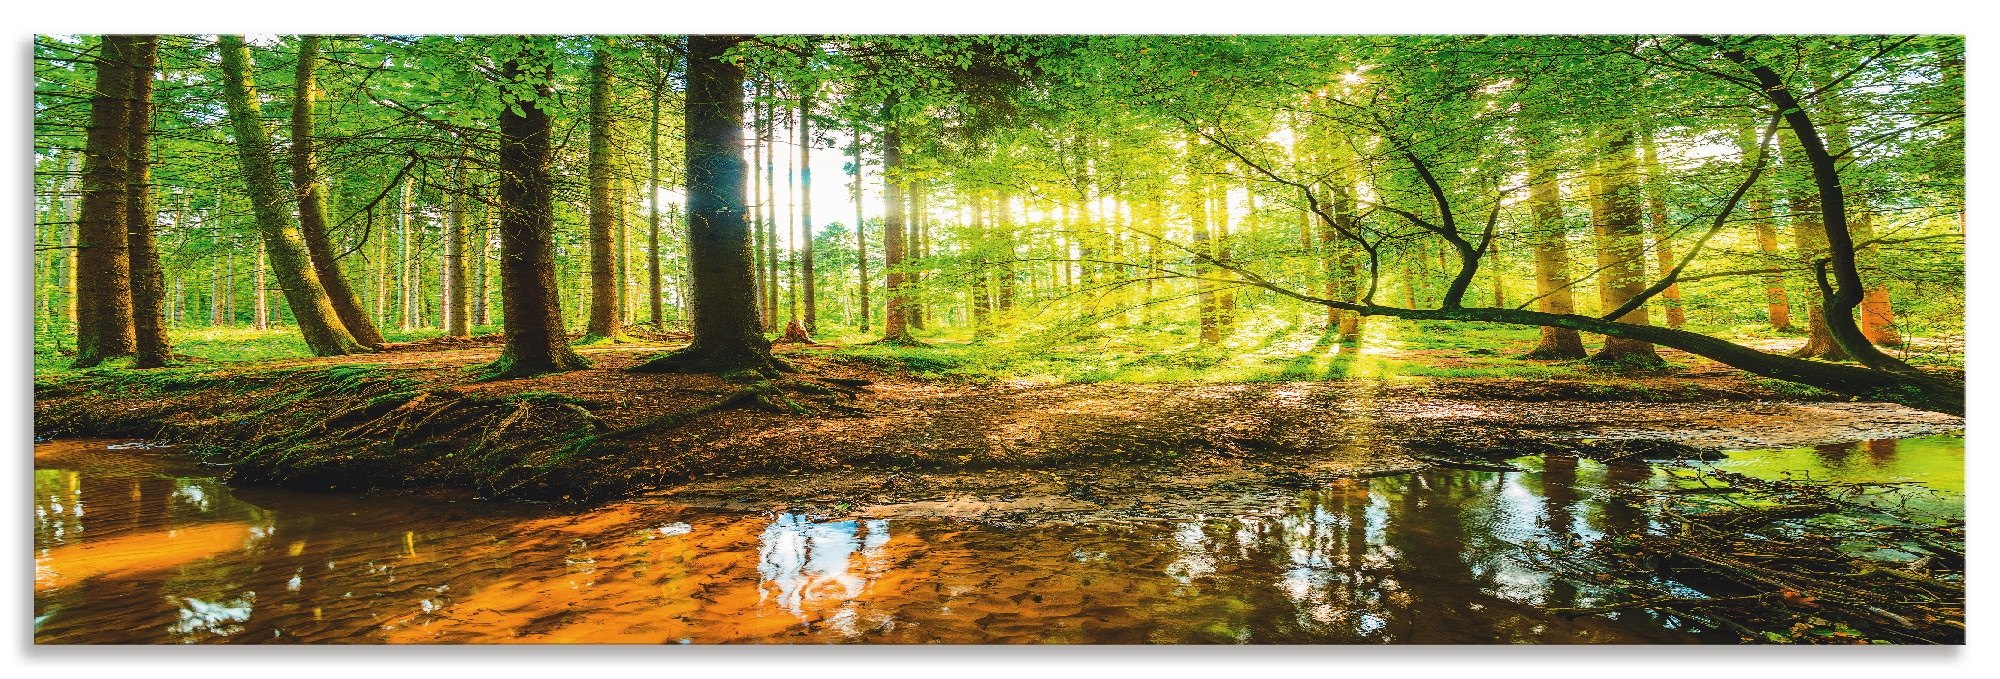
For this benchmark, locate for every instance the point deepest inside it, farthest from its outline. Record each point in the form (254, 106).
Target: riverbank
(853, 430)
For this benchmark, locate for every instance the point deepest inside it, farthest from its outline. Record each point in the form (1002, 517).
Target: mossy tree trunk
(313, 201)
(721, 265)
(324, 334)
(529, 297)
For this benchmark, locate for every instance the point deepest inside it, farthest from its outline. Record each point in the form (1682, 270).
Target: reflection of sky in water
(806, 565)
(220, 618)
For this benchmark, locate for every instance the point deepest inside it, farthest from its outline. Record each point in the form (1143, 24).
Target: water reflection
(164, 555)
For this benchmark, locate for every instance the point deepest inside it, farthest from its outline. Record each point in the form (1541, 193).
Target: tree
(318, 322)
(896, 320)
(312, 200)
(104, 268)
(1552, 281)
(805, 208)
(151, 349)
(727, 333)
(604, 317)
(1614, 210)
(532, 310)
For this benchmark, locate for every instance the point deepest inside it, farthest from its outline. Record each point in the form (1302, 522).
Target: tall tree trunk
(1225, 299)
(806, 211)
(1211, 330)
(604, 319)
(896, 319)
(760, 241)
(1663, 243)
(457, 296)
(621, 254)
(727, 334)
(480, 285)
(860, 229)
(318, 323)
(654, 295)
(529, 297)
(381, 272)
(1809, 239)
(1615, 206)
(915, 248)
(406, 310)
(260, 298)
(1004, 214)
(1551, 239)
(103, 262)
(1878, 318)
(313, 204)
(148, 282)
(770, 140)
(981, 300)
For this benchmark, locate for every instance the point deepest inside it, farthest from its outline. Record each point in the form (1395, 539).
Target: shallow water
(134, 547)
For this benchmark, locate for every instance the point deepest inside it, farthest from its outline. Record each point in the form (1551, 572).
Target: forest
(576, 269)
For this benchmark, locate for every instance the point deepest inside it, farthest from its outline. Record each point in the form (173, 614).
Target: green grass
(221, 345)
(1262, 350)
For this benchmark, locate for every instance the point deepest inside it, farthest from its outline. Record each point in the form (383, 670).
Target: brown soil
(904, 445)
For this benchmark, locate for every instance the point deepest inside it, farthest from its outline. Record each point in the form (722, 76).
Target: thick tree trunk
(1615, 207)
(149, 319)
(318, 323)
(806, 212)
(312, 201)
(896, 319)
(1552, 281)
(530, 302)
(457, 295)
(103, 261)
(721, 265)
(603, 272)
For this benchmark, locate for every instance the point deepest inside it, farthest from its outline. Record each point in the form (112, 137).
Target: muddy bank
(848, 436)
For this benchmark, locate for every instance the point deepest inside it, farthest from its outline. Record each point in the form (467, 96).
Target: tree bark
(312, 201)
(103, 260)
(1552, 281)
(654, 295)
(603, 271)
(806, 212)
(1809, 239)
(770, 141)
(260, 298)
(721, 267)
(914, 248)
(149, 319)
(896, 319)
(860, 229)
(1663, 244)
(318, 322)
(457, 295)
(1615, 204)
(529, 297)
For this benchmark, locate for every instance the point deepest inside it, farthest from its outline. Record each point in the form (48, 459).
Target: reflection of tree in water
(1834, 455)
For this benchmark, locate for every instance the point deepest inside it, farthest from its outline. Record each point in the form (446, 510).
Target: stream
(135, 546)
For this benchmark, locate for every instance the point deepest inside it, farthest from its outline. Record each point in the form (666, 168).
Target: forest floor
(909, 441)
